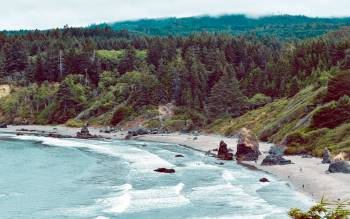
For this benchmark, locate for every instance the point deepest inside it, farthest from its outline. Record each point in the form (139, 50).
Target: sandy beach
(307, 175)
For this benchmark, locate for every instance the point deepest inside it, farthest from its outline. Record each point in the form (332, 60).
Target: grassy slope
(290, 117)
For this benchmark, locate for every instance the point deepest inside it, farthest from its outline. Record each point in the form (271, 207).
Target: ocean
(52, 178)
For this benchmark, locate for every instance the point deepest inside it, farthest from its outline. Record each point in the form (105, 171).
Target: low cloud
(39, 14)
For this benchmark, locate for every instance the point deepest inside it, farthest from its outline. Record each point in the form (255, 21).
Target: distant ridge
(283, 26)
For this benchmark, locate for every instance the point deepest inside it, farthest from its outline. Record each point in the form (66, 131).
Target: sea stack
(248, 146)
(223, 152)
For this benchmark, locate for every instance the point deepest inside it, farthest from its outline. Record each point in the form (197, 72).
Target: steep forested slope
(107, 77)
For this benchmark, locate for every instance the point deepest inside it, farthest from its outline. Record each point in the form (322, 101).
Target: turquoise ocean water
(68, 178)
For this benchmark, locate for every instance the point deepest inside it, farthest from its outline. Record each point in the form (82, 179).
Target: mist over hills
(283, 26)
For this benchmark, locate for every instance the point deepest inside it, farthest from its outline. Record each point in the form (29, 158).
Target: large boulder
(223, 152)
(248, 146)
(3, 125)
(138, 131)
(84, 132)
(326, 156)
(273, 159)
(340, 166)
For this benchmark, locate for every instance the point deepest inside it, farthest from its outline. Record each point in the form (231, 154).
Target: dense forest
(283, 26)
(109, 77)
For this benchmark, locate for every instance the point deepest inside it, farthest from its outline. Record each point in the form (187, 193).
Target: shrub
(339, 86)
(121, 113)
(295, 138)
(259, 100)
(74, 123)
(323, 210)
(332, 115)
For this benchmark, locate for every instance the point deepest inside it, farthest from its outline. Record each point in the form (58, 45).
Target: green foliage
(111, 55)
(339, 86)
(332, 114)
(27, 103)
(293, 26)
(323, 210)
(74, 123)
(120, 114)
(259, 100)
(225, 98)
(71, 98)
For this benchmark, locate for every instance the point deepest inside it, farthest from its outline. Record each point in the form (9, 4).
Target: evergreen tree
(128, 62)
(15, 58)
(39, 75)
(226, 98)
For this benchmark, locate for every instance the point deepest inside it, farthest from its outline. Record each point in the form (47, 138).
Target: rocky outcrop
(85, 134)
(248, 146)
(264, 180)
(342, 156)
(223, 152)
(138, 131)
(273, 159)
(326, 156)
(3, 125)
(341, 166)
(164, 170)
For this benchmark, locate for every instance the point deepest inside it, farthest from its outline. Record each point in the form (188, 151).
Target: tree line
(213, 73)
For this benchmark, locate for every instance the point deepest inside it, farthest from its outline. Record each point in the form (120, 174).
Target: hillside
(283, 27)
(304, 123)
(114, 78)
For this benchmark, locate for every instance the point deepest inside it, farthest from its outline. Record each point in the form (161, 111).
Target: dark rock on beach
(164, 170)
(341, 166)
(138, 131)
(326, 156)
(223, 152)
(275, 160)
(248, 146)
(85, 134)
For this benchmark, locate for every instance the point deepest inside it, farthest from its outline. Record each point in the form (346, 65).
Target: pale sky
(44, 14)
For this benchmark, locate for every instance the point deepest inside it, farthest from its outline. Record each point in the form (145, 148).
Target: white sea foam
(101, 217)
(137, 157)
(228, 175)
(224, 193)
(144, 200)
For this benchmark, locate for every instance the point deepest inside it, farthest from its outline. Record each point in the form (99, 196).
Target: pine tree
(226, 98)
(15, 58)
(39, 75)
(128, 62)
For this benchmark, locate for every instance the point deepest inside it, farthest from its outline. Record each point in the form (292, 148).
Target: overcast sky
(43, 14)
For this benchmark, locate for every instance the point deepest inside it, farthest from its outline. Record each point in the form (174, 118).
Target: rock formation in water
(264, 180)
(248, 146)
(223, 152)
(164, 170)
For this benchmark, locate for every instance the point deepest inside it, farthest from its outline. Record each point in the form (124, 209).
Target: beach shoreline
(306, 175)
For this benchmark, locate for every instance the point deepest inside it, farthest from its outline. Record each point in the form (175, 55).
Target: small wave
(135, 156)
(228, 175)
(144, 200)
